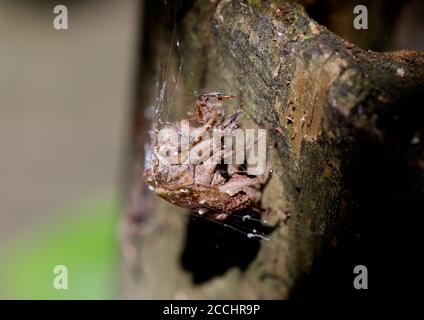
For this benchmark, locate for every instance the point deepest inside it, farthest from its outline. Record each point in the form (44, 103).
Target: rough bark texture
(344, 135)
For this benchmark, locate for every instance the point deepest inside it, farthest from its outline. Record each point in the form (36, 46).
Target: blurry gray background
(64, 101)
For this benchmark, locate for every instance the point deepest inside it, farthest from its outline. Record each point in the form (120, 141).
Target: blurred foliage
(84, 240)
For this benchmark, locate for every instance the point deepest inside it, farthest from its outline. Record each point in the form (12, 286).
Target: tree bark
(345, 146)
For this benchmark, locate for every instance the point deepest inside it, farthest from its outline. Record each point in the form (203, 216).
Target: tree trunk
(345, 146)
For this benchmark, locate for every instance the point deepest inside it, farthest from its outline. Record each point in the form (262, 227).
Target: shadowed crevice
(212, 248)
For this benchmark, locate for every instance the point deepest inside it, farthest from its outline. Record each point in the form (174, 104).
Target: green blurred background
(64, 102)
